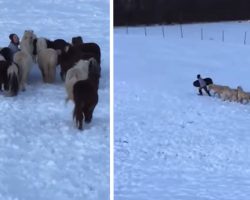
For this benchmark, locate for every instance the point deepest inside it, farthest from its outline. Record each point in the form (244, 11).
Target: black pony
(13, 74)
(85, 99)
(58, 44)
(72, 54)
(3, 74)
(7, 54)
(9, 77)
(77, 40)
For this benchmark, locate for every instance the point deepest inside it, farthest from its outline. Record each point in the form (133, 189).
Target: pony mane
(83, 65)
(41, 44)
(26, 43)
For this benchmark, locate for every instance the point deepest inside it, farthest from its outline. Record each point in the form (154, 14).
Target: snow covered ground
(171, 143)
(43, 156)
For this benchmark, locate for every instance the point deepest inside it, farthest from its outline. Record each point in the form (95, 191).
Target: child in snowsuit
(203, 85)
(14, 43)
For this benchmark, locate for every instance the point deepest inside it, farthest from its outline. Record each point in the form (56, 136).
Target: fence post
(201, 33)
(145, 30)
(181, 30)
(163, 31)
(222, 35)
(245, 38)
(127, 30)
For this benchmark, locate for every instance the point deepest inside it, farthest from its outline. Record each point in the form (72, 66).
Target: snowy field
(171, 143)
(43, 156)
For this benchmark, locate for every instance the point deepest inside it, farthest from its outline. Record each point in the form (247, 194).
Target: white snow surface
(43, 155)
(171, 143)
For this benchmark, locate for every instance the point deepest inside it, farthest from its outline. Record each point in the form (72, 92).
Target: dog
(217, 89)
(243, 97)
(229, 94)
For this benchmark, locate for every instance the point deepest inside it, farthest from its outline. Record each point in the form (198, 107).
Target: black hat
(11, 36)
(198, 75)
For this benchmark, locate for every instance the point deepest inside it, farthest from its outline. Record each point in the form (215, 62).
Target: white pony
(24, 57)
(78, 72)
(47, 60)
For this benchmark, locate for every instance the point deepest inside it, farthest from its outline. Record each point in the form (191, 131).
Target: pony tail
(13, 80)
(74, 113)
(78, 115)
(14, 85)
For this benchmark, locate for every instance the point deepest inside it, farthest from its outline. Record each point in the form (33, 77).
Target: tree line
(135, 12)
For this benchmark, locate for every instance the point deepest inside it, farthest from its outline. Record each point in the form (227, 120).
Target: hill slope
(171, 143)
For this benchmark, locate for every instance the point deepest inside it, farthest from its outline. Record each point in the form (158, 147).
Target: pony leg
(25, 72)
(43, 75)
(22, 84)
(79, 118)
(62, 75)
(52, 74)
(46, 73)
(24, 81)
(89, 114)
(6, 85)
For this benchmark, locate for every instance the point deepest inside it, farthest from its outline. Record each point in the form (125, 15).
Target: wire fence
(184, 31)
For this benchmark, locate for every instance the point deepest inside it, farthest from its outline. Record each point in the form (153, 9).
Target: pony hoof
(88, 121)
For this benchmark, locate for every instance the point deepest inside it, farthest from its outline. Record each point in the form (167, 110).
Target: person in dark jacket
(203, 85)
(14, 43)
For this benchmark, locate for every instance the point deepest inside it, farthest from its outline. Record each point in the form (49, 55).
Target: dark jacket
(202, 83)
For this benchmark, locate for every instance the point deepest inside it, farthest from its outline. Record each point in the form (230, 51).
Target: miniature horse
(85, 99)
(7, 54)
(24, 57)
(9, 77)
(73, 54)
(3, 74)
(13, 74)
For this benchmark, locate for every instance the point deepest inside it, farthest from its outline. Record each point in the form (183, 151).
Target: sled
(207, 80)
